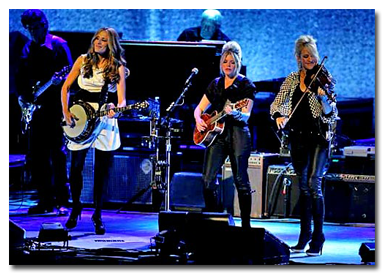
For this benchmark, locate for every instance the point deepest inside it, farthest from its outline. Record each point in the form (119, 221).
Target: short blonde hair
(306, 41)
(234, 49)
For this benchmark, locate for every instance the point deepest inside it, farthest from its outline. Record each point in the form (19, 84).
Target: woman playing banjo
(100, 73)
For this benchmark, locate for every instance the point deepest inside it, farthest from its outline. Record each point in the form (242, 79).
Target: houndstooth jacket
(283, 101)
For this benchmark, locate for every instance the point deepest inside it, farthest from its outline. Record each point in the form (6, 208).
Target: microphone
(193, 73)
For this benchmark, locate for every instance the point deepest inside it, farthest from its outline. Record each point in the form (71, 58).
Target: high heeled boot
(96, 218)
(305, 234)
(318, 238)
(245, 202)
(74, 215)
(210, 200)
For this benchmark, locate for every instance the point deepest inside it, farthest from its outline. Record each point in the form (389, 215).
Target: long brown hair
(114, 56)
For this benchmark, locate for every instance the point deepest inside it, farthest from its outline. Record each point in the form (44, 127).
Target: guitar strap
(103, 95)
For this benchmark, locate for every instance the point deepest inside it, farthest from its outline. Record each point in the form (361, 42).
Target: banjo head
(80, 124)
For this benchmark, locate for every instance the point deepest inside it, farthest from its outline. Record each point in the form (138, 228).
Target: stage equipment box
(359, 151)
(258, 164)
(129, 177)
(186, 192)
(349, 198)
(281, 192)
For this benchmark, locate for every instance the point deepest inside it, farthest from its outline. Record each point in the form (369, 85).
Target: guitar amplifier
(258, 164)
(129, 177)
(281, 192)
(349, 198)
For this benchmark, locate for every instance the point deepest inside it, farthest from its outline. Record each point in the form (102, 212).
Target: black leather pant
(234, 142)
(102, 161)
(309, 156)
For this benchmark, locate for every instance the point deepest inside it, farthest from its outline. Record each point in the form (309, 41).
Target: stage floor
(129, 236)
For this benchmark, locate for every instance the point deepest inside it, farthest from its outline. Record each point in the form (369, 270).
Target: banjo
(87, 123)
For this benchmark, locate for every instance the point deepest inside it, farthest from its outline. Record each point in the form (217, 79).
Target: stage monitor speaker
(367, 252)
(213, 239)
(349, 198)
(258, 164)
(168, 220)
(282, 192)
(240, 246)
(17, 235)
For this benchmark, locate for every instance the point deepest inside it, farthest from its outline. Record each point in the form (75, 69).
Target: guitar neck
(116, 110)
(42, 89)
(221, 114)
(216, 118)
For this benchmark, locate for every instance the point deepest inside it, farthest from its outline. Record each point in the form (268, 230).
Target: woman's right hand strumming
(281, 122)
(69, 118)
(200, 124)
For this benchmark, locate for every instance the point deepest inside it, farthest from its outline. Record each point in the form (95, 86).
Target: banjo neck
(103, 113)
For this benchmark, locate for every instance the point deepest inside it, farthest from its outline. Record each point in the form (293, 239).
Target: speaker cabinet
(282, 192)
(129, 176)
(186, 192)
(88, 175)
(349, 198)
(258, 164)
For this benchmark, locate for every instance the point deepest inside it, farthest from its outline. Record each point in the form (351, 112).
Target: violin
(320, 77)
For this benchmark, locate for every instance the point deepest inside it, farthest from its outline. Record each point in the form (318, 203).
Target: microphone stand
(167, 122)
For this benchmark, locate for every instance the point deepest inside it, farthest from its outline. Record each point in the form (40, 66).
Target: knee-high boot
(318, 220)
(305, 234)
(245, 202)
(210, 200)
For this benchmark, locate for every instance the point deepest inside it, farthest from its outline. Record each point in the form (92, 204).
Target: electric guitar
(215, 126)
(28, 108)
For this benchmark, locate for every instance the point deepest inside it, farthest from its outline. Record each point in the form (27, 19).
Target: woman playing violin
(307, 110)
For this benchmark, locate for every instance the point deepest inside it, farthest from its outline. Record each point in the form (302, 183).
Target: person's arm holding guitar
(202, 106)
(243, 114)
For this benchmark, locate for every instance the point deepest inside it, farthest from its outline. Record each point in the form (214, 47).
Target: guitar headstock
(60, 76)
(241, 104)
(140, 105)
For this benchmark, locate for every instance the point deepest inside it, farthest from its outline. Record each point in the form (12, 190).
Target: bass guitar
(215, 126)
(87, 123)
(28, 108)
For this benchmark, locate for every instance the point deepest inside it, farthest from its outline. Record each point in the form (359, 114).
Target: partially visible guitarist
(309, 142)
(235, 140)
(41, 58)
(100, 74)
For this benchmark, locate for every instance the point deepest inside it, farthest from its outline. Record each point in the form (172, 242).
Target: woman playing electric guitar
(235, 140)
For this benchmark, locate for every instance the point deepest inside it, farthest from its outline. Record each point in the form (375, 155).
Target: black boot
(318, 239)
(210, 200)
(305, 234)
(245, 202)
(98, 223)
(74, 215)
